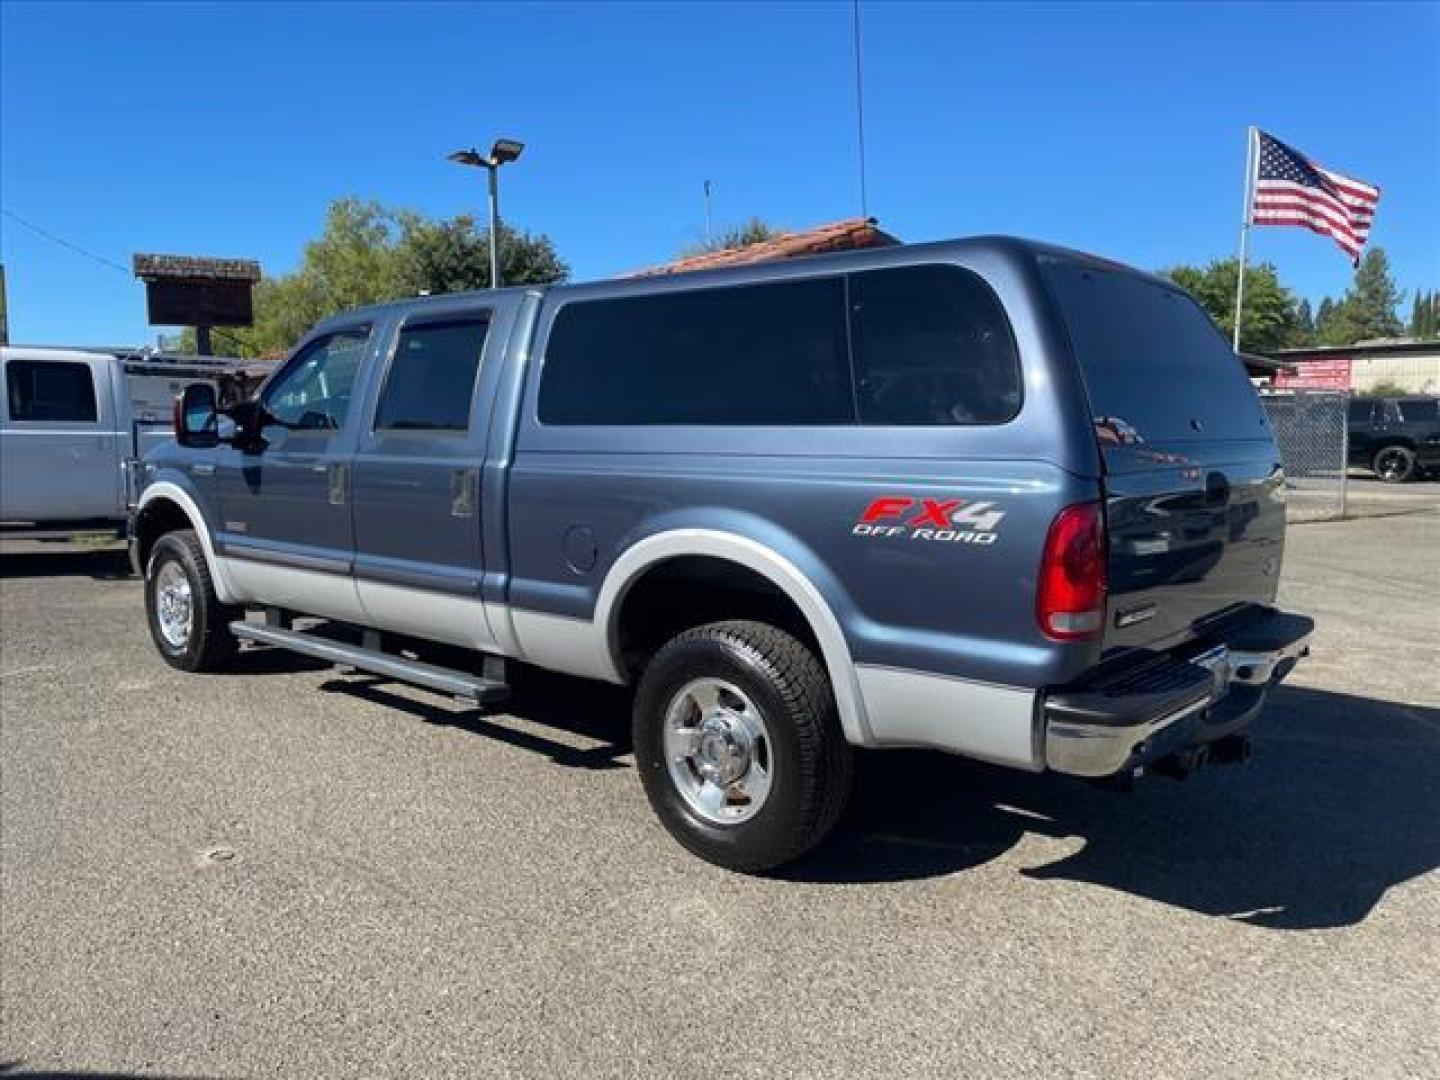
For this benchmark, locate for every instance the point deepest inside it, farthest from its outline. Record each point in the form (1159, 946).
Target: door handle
(320, 468)
(339, 481)
(463, 492)
(202, 469)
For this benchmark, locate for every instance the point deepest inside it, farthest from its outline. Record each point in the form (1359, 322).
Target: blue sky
(226, 129)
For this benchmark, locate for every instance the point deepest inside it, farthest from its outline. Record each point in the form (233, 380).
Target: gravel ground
(283, 872)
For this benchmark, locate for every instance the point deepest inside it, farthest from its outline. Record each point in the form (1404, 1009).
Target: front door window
(313, 393)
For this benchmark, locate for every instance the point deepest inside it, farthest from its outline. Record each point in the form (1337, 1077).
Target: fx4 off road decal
(946, 521)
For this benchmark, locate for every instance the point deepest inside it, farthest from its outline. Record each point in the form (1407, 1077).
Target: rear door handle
(464, 485)
(339, 481)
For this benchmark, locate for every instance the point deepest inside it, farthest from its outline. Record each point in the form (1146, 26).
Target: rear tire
(188, 623)
(1394, 464)
(739, 745)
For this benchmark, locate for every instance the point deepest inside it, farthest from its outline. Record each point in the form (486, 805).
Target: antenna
(860, 115)
(709, 223)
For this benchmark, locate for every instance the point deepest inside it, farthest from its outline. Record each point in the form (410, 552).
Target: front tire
(1394, 464)
(739, 745)
(188, 623)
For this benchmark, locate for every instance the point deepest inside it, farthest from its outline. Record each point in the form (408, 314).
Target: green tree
(1324, 318)
(1386, 389)
(1304, 325)
(1271, 320)
(369, 253)
(1425, 315)
(1367, 310)
(730, 237)
(454, 256)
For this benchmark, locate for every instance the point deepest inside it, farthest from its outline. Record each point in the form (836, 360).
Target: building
(852, 234)
(1413, 366)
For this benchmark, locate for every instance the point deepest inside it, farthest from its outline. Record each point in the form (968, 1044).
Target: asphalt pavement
(288, 872)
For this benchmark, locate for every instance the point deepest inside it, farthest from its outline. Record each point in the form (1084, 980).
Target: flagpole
(1244, 232)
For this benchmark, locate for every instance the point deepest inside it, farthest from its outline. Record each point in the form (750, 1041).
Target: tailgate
(1190, 543)
(1194, 489)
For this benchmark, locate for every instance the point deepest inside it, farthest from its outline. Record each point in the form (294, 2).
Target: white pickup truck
(73, 420)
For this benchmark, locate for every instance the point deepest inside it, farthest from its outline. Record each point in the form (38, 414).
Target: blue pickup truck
(984, 496)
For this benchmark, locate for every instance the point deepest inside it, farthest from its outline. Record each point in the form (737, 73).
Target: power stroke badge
(946, 521)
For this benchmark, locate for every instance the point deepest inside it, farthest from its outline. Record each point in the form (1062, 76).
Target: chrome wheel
(174, 604)
(717, 749)
(1392, 465)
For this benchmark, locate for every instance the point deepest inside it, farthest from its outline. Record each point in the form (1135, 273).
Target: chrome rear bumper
(1094, 750)
(1126, 722)
(1262, 668)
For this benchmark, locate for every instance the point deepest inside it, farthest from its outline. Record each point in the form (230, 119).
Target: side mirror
(197, 421)
(250, 418)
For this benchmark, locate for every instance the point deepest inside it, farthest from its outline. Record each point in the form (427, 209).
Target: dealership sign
(1316, 375)
(185, 290)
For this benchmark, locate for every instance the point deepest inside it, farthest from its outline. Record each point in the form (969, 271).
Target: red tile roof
(848, 235)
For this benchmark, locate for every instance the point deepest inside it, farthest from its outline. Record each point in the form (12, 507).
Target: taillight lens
(1070, 601)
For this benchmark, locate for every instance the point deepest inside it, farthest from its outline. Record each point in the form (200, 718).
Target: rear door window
(772, 353)
(50, 390)
(1420, 412)
(1151, 358)
(432, 377)
(932, 345)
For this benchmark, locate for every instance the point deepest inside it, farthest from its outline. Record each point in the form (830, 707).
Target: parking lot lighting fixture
(502, 153)
(505, 150)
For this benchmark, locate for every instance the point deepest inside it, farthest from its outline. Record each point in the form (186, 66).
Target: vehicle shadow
(1338, 806)
(273, 662)
(101, 564)
(596, 712)
(19, 1071)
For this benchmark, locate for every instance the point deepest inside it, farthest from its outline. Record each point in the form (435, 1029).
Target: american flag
(1290, 189)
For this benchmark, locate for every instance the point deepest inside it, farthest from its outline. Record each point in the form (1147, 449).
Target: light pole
(502, 153)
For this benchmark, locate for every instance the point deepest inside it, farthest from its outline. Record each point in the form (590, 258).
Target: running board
(109, 530)
(473, 688)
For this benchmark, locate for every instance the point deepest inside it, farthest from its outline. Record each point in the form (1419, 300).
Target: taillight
(1070, 599)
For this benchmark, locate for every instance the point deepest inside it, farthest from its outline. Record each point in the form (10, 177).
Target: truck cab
(988, 497)
(75, 422)
(63, 433)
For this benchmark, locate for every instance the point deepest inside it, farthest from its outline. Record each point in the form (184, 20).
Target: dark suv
(1399, 438)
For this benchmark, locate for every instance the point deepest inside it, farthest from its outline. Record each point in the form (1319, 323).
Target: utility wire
(101, 259)
(48, 235)
(860, 114)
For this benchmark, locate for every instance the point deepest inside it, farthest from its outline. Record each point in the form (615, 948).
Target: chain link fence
(1310, 426)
